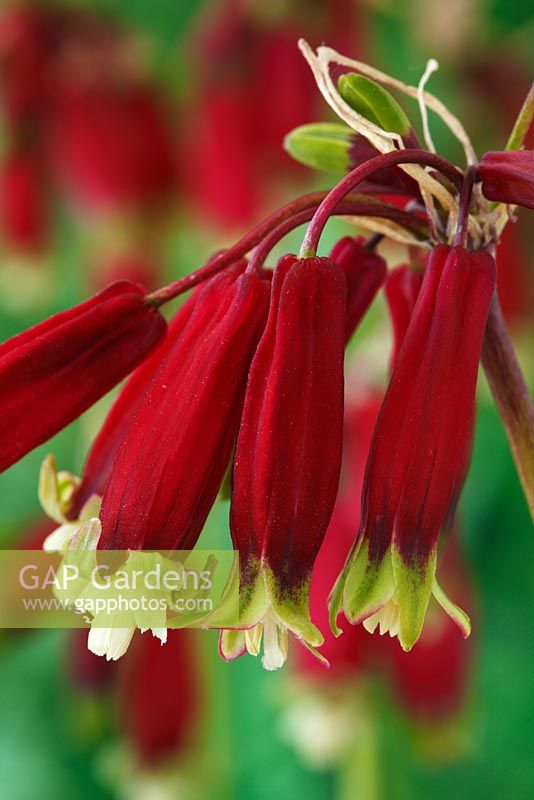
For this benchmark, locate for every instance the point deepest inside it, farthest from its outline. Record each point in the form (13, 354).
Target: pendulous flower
(288, 458)
(365, 272)
(420, 452)
(171, 461)
(402, 290)
(23, 211)
(69, 361)
(159, 721)
(508, 176)
(99, 463)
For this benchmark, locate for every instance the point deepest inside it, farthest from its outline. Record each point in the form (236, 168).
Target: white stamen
(110, 642)
(275, 639)
(386, 619)
(431, 67)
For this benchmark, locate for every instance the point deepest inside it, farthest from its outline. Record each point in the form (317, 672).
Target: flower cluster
(249, 378)
(80, 117)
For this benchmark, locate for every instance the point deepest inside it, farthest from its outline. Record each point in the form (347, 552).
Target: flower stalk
(359, 174)
(360, 205)
(511, 396)
(522, 123)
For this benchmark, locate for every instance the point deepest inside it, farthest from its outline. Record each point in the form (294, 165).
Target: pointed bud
(69, 361)
(508, 177)
(420, 452)
(288, 457)
(170, 464)
(365, 272)
(373, 102)
(333, 147)
(321, 145)
(402, 290)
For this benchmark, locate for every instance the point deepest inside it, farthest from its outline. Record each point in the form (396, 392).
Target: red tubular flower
(420, 451)
(23, 218)
(508, 176)
(402, 290)
(54, 371)
(113, 148)
(87, 672)
(171, 462)
(159, 720)
(97, 469)
(365, 272)
(288, 457)
(347, 654)
(221, 167)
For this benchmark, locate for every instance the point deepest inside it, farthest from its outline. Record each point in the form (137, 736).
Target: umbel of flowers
(249, 376)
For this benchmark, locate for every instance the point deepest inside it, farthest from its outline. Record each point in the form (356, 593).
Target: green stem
(511, 396)
(522, 123)
(359, 773)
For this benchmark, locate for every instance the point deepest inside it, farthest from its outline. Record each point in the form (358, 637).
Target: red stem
(511, 396)
(240, 249)
(347, 207)
(350, 181)
(308, 202)
(462, 230)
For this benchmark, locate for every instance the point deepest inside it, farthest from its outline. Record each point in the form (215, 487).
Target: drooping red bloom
(99, 463)
(23, 213)
(246, 65)
(112, 146)
(420, 450)
(87, 672)
(44, 47)
(347, 655)
(288, 456)
(220, 162)
(158, 717)
(508, 176)
(402, 290)
(171, 462)
(54, 371)
(365, 272)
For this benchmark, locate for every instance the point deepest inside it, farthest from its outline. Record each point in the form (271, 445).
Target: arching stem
(359, 174)
(347, 207)
(462, 230)
(362, 205)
